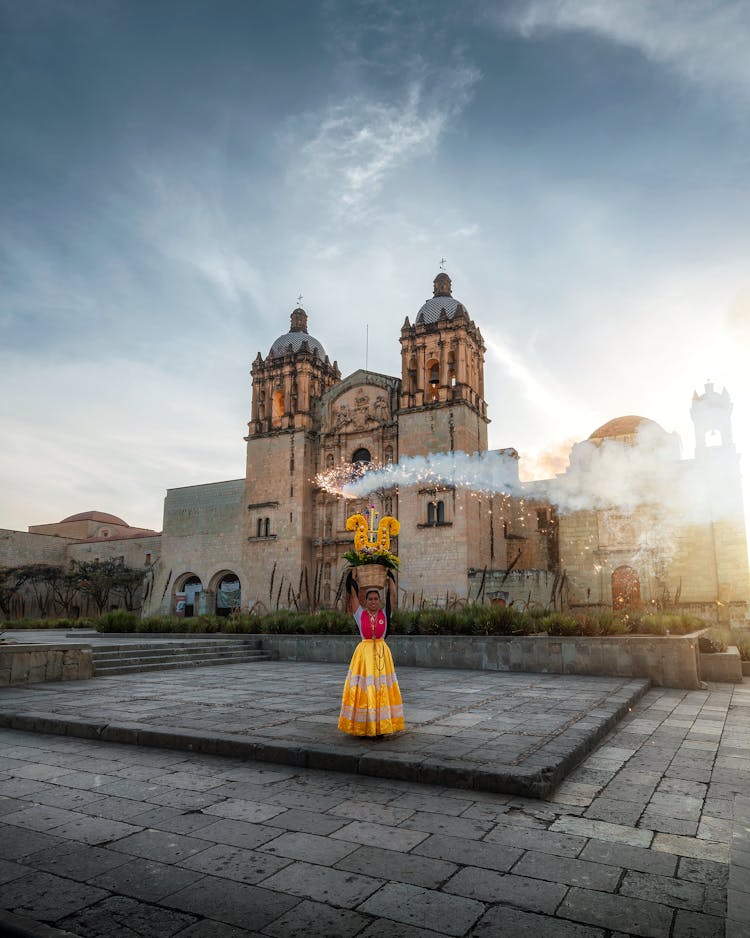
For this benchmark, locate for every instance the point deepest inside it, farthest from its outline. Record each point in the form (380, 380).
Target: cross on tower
(299, 300)
(443, 262)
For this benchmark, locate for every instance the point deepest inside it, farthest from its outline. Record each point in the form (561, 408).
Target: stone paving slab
(494, 731)
(219, 847)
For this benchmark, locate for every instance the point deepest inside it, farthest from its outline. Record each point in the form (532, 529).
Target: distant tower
(712, 419)
(281, 459)
(445, 530)
(717, 474)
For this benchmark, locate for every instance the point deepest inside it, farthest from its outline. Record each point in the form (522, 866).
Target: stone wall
(524, 588)
(34, 663)
(666, 661)
(203, 537)
(18, 548)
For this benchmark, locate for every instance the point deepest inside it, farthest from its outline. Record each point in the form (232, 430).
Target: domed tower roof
(291, 341)
(100, 517)
(441, 301)
(622, 426)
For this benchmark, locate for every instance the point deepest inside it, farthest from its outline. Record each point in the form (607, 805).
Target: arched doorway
(626, 588)
(228, 595)
(187, 596)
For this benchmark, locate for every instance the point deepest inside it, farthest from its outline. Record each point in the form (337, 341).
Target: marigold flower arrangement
(372, 539)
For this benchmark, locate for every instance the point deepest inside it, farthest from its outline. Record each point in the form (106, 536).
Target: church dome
(291, 342)
(623, 427)
(442, 301)
(99, 517)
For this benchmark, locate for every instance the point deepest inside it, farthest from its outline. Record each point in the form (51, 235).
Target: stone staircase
(142, 657)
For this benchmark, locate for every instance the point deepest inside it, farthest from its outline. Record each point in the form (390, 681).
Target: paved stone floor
(101, 839)
(519, 733)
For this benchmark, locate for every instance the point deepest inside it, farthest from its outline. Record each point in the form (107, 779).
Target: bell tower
(712, 419)
(442, 378)
(281, 459)
(717, 472)
(445, 529)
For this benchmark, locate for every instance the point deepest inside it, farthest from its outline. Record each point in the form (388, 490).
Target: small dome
(99, 517)
(441, 302)
(291, 342)
(623, 426)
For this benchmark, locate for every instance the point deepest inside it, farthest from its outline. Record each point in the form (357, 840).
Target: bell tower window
(278, 407)
(433, 377)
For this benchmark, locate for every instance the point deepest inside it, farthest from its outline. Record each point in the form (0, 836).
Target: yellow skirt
(371, 703)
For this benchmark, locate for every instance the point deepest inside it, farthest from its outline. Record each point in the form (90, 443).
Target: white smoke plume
(609, 475)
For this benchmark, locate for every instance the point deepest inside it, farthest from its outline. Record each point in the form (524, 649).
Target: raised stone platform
(29, 663)
(494, 731)
(722, 666)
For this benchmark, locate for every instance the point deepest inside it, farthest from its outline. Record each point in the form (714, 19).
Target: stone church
(275, 538)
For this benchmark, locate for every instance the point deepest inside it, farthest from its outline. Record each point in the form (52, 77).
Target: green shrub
(741, 638)
(713, 641)
(117, 621)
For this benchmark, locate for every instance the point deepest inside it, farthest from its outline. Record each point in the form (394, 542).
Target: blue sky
(173, 175)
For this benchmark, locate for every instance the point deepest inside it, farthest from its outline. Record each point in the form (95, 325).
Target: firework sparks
(491, 472)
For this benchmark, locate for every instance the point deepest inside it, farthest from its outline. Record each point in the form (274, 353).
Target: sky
(175, 173)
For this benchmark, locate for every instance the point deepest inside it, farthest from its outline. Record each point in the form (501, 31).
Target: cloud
(467, 231)
(704, 40)
(544, 394)
(358, 143)
(546, 463)
(350, 149)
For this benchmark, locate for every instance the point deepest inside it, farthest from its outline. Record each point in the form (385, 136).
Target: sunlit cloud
(704, 40)
(353, 147)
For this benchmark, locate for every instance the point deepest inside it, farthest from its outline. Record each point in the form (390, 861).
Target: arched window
(436, 512)
(362, 455)
(278, 407)
(267, 527)
(329, 461)
(260, 527)
(433, 379)
(388, 453)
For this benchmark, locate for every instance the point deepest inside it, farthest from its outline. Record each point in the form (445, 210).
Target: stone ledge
(365, 758)
(722, 666)
(667, 661)
(34, 663)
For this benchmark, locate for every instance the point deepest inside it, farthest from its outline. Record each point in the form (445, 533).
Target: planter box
(725, 666)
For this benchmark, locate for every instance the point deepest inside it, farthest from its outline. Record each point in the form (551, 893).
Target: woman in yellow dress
(371, 703)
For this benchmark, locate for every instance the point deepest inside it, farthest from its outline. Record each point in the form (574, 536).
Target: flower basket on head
(372, 557)
(370, 576)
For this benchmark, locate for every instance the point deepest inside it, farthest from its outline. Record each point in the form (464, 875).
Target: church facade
(275, 539)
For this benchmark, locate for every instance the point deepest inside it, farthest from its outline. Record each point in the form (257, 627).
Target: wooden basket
(370, 576)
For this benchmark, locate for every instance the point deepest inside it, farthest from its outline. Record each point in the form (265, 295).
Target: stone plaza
(646, 835)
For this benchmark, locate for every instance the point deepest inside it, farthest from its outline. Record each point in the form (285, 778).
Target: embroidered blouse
(371, 626)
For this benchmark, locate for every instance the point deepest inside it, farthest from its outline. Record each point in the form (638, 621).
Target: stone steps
(140, 657)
